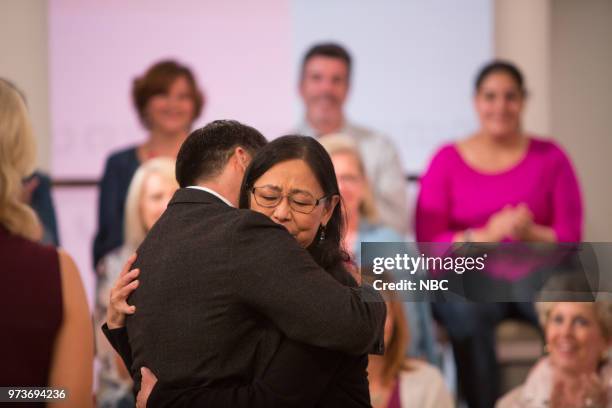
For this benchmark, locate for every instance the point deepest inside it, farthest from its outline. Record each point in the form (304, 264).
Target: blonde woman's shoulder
(422, 385)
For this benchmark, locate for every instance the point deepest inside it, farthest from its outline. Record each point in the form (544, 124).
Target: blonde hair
(134, 227)
(602, 308)
(337, 143)
(394, 359)
(17, 160)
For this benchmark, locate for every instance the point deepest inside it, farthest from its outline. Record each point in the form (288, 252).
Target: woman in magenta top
(535, 199)
(498, 184)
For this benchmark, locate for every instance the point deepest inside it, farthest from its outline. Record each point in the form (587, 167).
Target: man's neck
(221, 188)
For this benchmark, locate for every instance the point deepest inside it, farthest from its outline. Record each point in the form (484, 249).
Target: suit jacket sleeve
(281, 280)
(298, 376)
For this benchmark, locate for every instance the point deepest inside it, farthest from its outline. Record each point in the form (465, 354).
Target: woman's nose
(567, 329)
(282, 211)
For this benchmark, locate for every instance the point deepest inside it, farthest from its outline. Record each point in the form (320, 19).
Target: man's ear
(243, 158)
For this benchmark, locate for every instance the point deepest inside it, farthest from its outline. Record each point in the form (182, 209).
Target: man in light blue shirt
(324, 86)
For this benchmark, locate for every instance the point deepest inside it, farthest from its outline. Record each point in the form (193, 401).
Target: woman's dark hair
(157, 80)
(327, 253)
(500, 66)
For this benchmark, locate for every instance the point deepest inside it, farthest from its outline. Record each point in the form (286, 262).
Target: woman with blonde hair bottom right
(576, 372)
(47, 336)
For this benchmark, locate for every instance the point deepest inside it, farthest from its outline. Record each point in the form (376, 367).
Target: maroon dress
(30, 310)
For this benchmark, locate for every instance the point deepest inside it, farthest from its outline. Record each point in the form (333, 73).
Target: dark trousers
(471, 328)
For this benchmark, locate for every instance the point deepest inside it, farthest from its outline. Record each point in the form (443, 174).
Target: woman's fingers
(121, 310)
(125, 284)
(124, 292)
(118, 301)
(126, 279)
(593, 386)
(120, 295)
(128, 264)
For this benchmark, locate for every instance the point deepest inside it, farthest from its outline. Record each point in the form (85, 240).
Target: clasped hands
(513, 222)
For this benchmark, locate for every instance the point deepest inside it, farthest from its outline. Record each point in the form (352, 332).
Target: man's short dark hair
(206, 151)
(329, 50)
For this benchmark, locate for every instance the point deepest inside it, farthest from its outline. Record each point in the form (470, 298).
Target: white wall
(581, 92)
(522, 35)
(565, 50)
(415, 62)
(23, 60)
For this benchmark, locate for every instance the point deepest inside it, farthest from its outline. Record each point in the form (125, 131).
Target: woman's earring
(322, 236)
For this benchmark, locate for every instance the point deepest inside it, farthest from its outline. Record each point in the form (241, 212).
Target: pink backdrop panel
(239, 52)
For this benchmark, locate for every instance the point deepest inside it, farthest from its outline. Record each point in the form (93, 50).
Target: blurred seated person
(37, 194)
(398, 382)
(168, 101)
(576, 372)
(500, 184)
(47, 338)
(362, 225)
(151, 189)
(324, 85)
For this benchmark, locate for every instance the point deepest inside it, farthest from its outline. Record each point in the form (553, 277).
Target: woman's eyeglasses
(300, 201)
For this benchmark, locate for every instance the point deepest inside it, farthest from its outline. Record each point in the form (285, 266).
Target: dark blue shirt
(42, 203)
(118, 172)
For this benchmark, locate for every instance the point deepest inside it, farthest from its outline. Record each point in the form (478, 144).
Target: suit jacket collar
(192, 195)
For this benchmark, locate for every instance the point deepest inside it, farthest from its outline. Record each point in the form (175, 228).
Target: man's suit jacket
(216, 285)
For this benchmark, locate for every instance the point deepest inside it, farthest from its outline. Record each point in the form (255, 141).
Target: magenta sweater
(455, 196)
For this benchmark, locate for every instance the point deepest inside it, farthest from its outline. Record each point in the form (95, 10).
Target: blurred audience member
(148, 195)
(324, 86)
(168, 101)
(47, 336)
(499, 184)
(399, 382)
(362, 225)
(577, 371)
(37, 194)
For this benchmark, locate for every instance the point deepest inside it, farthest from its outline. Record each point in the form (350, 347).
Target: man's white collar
(213, 192)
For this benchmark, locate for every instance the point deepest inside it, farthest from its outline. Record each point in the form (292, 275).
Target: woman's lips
(566, 348)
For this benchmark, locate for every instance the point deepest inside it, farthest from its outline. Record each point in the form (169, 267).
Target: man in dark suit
(217, 283)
